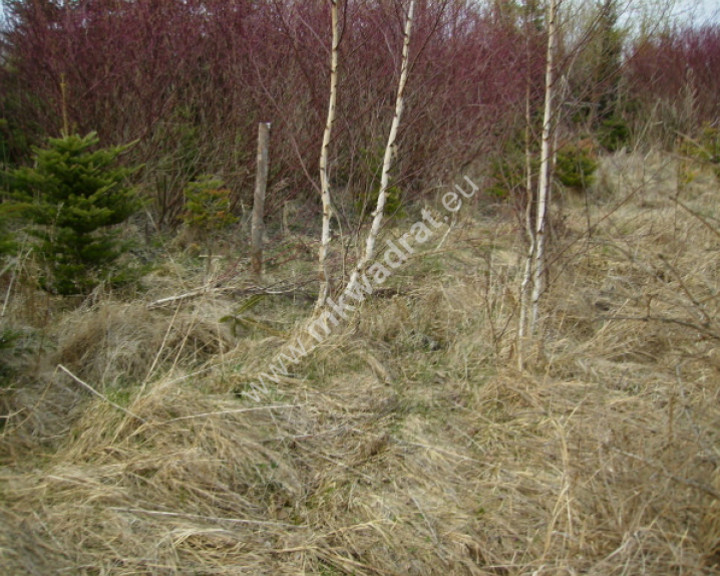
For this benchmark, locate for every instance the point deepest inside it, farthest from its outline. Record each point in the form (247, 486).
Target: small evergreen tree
(576, 166)
(75, 195)
(207, 210)
(207, 206)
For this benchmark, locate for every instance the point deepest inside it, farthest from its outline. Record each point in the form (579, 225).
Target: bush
(576, 166)
(366, 202)
(207, 207)
(613, 134)
(76, 195)
(704, 151)
(508, 172)
(393, 201)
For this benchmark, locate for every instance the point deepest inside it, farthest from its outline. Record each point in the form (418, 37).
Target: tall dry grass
(407, 443)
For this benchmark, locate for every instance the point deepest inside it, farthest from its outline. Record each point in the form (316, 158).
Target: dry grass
(407, 443)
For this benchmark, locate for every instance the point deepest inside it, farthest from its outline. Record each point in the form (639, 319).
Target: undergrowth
(407, 443)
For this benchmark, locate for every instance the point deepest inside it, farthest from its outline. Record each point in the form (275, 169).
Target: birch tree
(377, 219)
(529, 196)
(324, 160)
(546, 163)
(535, 266)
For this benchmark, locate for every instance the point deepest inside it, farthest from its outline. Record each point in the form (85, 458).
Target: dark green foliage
(4, 144)
(613, 133)
(207, 206)
(701, 151)
(576, 166)
(75, 195)
(707, 147)
(372, 162)
(508, 172)
(10, 213)
(393, 201)
(607, 73)
(508, 168)
(8, 338)
(14, 137)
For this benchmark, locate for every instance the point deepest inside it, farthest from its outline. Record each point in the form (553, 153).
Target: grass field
(408, 443)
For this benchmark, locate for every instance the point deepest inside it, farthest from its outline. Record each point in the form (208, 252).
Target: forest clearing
(412, 287)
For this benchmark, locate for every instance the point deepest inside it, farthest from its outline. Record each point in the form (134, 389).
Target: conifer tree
(76, 194)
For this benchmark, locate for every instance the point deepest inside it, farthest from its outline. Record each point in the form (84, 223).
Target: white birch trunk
(324, 273)
(389, 152)
(546, 159)
(530, 235)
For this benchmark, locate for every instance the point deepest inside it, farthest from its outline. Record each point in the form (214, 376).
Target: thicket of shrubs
(190, 80)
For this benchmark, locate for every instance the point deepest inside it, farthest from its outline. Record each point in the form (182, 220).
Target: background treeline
(191, 79)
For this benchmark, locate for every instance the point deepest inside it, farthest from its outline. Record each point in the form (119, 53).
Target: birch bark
(389, 153)
(324, 160)
(546, 162)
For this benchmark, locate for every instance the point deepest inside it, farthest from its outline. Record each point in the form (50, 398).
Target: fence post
(258, 225)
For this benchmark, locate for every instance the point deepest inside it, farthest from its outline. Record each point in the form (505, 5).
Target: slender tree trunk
(529, 231)
(546, 162)
(324, 273)
(389, 152)
(527, 278)
(258, 224)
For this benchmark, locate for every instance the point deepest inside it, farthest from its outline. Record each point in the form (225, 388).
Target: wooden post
(63, 101)
(258, 225)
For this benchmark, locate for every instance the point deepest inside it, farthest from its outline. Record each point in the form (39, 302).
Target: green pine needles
(76, 194)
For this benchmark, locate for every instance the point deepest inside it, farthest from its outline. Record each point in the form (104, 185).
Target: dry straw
(407, 443)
